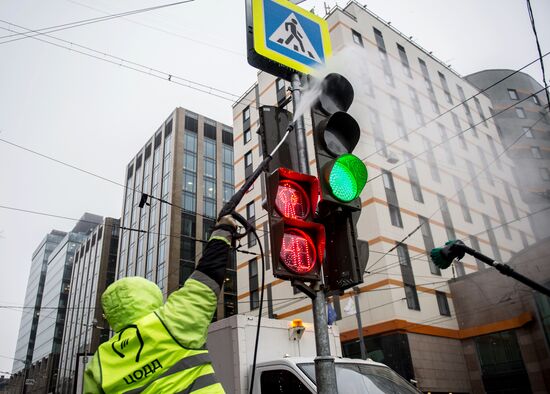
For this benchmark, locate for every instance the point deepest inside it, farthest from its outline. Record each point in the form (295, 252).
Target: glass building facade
(179, 214)
(33, 299)
(85, 328)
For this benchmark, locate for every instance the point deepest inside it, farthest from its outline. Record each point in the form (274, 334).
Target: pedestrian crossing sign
(286, 38)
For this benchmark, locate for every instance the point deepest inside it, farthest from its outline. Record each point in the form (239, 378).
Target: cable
(259, 314)
(455, 135)
(162, 30)
(85, 22)
(457, 105)
(532, 20)
(467, 184)
(131, 65)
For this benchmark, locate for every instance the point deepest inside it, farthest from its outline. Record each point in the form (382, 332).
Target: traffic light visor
(337, 94)
(298, 251)
(347, 177)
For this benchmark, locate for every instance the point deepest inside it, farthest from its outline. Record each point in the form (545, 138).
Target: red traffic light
(298, 251)
(297, 242)
(291, 200)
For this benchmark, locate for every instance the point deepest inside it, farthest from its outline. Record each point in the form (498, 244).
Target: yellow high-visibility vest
(145, 358)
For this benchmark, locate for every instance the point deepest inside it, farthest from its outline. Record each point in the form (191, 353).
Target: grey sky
(96, 115)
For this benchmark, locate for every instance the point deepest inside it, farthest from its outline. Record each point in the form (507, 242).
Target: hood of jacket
(129, 299)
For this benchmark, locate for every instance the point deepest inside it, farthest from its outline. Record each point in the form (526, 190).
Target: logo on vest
(143, 372)
(124, 341)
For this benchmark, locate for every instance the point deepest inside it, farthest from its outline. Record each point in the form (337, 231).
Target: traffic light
(342, 177)
(336, 133)
(297, 242)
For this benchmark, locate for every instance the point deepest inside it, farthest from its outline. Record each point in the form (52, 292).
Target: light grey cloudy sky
(96, 115)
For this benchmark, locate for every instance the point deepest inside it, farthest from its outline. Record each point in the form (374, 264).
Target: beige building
(409, 320)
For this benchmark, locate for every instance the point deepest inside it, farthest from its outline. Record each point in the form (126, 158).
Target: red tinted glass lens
(297, 251)
(291, 200)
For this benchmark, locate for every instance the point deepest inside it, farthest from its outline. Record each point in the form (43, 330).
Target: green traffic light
(347, 177)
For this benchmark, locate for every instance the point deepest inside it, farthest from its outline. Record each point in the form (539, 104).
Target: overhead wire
(163, 30)
(457, 105)
(463, 187)
(544, 80)
(128, 64)
(85, 22)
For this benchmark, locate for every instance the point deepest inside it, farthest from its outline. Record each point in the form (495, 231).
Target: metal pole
(356, 292)
(325, 373)
(301, 143)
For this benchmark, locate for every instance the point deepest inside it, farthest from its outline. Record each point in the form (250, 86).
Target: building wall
(85, 327)
(520, 92)
(54, 301)
(501, 304)
(489, 201)
(33, 299)
(439, 362)
(187, 162)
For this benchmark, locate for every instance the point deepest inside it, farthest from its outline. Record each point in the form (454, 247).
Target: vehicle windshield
(362, 378)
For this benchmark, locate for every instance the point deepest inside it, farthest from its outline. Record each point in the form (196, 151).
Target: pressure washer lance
(229, 207)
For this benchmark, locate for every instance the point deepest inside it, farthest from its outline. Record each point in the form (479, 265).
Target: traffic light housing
(297, 242)
(342, 177)
(444, 256)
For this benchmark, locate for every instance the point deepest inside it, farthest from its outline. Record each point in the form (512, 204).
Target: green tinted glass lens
(348, 177)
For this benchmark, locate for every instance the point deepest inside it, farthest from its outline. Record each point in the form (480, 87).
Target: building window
(246, 114)
(462, 200)
(480, 111)
(545, 174)
(253, 284)
(379, 40)
(357, 38)
(251, 218)
(404, 61)
(280, 84)
(388, 180)
(536, 99)
(513, 94)
(528, 133)
(445, 87)
(502, 218)
(442, 303)
(395, 216)
(520, 113)
(428, 242)
(535, 151)
(247, 135)
(191, 122)
(412, 297)
(248, 159)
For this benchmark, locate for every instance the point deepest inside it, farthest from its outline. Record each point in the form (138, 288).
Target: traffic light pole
(324, 363)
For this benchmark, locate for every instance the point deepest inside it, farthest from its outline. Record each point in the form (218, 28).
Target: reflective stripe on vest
(144, 357)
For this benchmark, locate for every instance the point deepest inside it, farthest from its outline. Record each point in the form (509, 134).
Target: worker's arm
(188, 311)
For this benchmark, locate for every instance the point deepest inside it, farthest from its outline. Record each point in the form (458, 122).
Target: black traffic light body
(274, 122)
(297, 242)
(342, 177)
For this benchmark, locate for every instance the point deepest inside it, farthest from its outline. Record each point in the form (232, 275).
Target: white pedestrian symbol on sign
(291, 35)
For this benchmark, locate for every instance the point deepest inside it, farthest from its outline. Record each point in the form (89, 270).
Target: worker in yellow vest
(160, 348)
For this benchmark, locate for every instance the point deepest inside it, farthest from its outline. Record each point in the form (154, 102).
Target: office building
(94, 269)
(33, 300)
(527, 119)
(437, 173)
(188, 164)
(58, 251)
